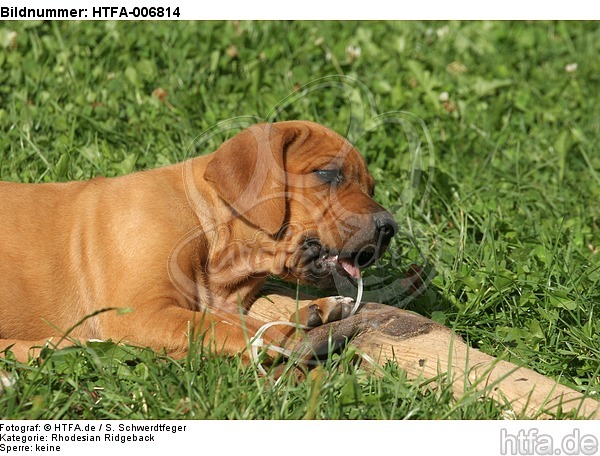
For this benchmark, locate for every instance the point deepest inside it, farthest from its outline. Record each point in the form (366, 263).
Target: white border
(290, 438)
(348, 10)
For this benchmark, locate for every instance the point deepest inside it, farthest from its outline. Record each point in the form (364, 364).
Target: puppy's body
(169, 243)
(81, 247)
(78, 247)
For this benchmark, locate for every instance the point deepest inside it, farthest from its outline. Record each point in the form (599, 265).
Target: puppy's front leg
(169, 328)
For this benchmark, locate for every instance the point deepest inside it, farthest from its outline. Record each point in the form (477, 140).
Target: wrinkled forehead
(325, 149)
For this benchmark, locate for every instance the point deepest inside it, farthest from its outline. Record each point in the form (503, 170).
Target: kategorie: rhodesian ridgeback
(185, 246)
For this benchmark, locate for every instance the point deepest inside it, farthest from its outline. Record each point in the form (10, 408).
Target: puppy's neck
(239, 255)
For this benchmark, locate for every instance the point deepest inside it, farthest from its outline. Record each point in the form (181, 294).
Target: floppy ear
(248, 172)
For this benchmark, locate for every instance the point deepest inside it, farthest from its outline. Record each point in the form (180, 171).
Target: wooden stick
(424, 349)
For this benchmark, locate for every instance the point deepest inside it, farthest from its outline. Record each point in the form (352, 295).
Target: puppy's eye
(333, 176)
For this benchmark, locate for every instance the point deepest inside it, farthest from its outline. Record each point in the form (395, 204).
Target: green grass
(504, 204)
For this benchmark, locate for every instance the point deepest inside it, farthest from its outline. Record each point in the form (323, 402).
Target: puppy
(186, 248)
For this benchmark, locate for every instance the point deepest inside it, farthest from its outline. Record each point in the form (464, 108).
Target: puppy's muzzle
(385, 229)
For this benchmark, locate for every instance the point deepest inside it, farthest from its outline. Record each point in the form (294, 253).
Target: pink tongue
(350, 268)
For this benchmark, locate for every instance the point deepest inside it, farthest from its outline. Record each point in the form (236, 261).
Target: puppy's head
(310, 190)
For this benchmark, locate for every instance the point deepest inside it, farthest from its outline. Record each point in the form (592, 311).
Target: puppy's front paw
(323, 310)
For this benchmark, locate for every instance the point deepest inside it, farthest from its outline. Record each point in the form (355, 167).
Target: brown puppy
(290, 199)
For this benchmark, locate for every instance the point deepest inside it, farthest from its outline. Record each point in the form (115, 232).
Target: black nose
(386, 227)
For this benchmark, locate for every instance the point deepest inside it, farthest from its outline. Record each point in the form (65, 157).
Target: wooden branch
(424, 349)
